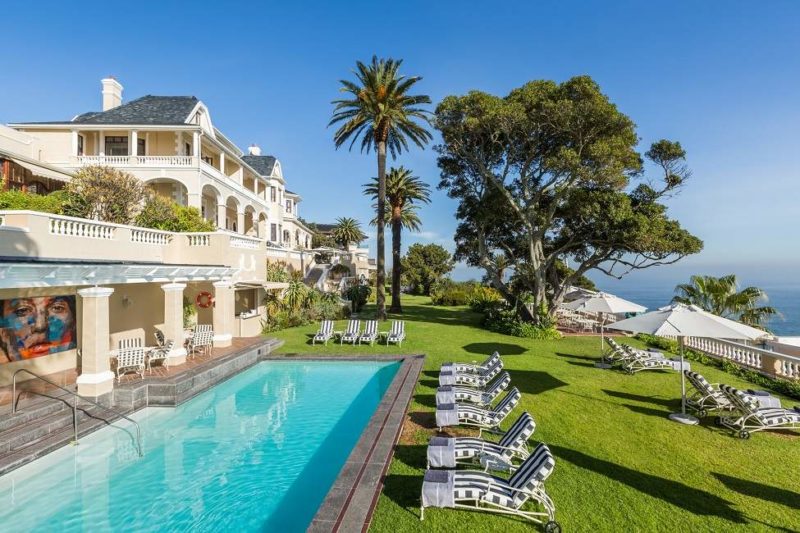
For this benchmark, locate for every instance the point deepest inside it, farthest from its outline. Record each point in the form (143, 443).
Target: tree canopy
(544, 176)
(425, 264)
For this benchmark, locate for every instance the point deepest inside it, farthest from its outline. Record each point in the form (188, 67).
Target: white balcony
(138, 160)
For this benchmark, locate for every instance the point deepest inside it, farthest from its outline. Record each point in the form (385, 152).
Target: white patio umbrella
(679, 320)
(603, 302)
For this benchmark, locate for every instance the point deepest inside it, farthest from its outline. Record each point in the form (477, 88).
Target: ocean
(785, 298)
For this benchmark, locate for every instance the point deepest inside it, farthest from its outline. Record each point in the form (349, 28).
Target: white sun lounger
(370, 332)
(463, 368)
(750, 417)
(352, 332)
(483, 418)
(397, 333)
(325, 332)
(483, 396)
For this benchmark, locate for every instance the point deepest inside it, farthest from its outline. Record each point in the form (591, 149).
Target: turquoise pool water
(258, 452)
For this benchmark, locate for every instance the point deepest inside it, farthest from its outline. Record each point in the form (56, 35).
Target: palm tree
(348, 230)
(380, 112)
(403, 189)
(722, 297)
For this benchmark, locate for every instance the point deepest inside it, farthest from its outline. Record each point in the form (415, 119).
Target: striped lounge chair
(641, 360)
(705, 397)
(513, 445)
(397, 333)
(482, 378)
(488, 419)
(370, 333)
(483, 396)
(481, 491)
(750, 417)
(464, 368)
(352, 332)
(159, 353)
(325, 332)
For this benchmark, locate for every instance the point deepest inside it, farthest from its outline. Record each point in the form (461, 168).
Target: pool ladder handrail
(74, 407)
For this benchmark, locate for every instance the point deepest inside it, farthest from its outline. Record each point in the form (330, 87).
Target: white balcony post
(240, 222)
(173, 321)
(101, 149)
(223, 313)
(133, 143)
(75, 143)
(222, 162)
(222, 215)
(96, 376)
(196, 144)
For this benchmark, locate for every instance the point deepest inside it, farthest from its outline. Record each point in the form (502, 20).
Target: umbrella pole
(683, 417)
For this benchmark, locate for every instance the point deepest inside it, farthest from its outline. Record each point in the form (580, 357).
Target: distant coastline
(785, 298)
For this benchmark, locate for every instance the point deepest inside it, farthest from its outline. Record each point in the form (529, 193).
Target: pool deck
(352, 498)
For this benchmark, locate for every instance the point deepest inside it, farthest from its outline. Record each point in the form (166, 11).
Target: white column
(223, 313)
(74, 143)
(133, 143)
(196, 144)
(222, 215)
(240, 222)
(101, 145)
(222, 162)
(96, 376)
(173, 321)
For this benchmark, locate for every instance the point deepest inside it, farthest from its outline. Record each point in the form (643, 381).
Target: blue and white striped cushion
(532, 472)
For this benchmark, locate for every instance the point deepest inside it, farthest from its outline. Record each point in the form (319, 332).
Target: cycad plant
(379, 111)
(403, 191)
(722, 297)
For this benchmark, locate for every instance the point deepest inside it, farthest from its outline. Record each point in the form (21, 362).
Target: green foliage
(339, 271)
(781, 386)
(298, 305)
(358, 296)
(722, 297)
(423, 265)
(105, 193)
(501, 318)
(23, 201)
(348, 231)
(189, 313)
(278, 271)
(318, 240)
(164, 214)
(482, 298)
(542, 175)
(448, 292)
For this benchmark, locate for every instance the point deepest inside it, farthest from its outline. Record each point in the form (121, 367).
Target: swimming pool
(258, 452)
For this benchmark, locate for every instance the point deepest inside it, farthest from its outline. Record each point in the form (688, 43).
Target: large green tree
(424, 265)
(722, 297)
(347, 231)
(380, 112)
(403, 191)
(543, 176)
(105, 193)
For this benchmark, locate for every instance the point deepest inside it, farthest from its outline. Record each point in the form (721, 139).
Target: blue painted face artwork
(36, 326)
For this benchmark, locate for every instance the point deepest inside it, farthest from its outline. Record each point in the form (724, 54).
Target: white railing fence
(251, 243)
(147, 236)
(199, 239)
(76, 227)
(766, 361)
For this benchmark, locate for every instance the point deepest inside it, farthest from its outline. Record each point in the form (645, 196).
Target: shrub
(105, 193)
(278, 272)
(358, 296)
(339, 271)
(781, 386)
(448, 292)
(502, 319)
(482, 298)
(164, 214)
(24, 201)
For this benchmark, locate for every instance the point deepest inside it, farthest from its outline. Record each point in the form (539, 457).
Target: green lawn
(621, 465)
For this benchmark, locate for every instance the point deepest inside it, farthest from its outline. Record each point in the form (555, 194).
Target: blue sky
(721, 77)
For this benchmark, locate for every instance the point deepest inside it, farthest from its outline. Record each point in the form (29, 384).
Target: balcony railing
(138, 160)
(765, 361)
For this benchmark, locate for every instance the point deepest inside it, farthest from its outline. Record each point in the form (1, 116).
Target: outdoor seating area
(354, 334)
(445, 486)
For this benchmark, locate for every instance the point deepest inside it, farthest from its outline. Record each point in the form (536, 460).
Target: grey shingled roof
(263, 164)
(160, 110)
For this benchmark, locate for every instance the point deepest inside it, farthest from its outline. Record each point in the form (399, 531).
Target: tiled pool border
(351, 500)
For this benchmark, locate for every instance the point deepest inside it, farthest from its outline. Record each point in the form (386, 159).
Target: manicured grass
(621, 465)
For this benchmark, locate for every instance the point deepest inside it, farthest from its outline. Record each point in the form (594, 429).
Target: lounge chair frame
(750, 415)
(352, 333)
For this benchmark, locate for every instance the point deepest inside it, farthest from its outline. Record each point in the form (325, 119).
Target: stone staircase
(314, 275)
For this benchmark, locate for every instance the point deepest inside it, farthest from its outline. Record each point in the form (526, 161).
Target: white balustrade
(199, 239)
(75, 227)
(148, 236)
(245, 242)
(766, 361)
(138, 160)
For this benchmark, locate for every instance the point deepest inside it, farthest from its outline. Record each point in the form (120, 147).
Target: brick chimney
(254, 150)
(112, 93)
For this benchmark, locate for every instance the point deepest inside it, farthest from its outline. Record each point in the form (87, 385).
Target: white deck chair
(641, 360)
(130, 360)
(482, 378)
(159, 354)
(513, 445)
(325, 332)
(201, 341)
(483, 396)
(475, 368)
(750, 417)
(480, 491)
(488, 419)
(370, 332)
(352, 332)
(705, 397)
(397, 333)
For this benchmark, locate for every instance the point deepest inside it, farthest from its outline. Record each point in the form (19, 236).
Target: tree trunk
(380, 294)
(397, 228)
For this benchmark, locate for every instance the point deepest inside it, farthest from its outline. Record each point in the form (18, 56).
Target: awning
(15, 275)
(42, 171)
(267, 285)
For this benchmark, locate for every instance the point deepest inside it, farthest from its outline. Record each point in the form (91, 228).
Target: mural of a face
(33, 327)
